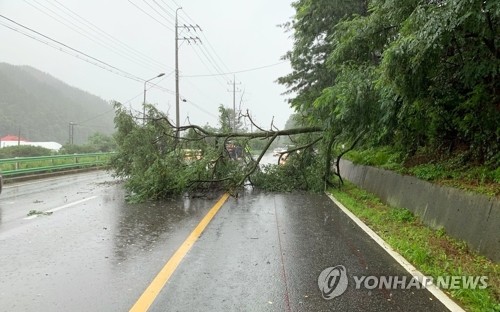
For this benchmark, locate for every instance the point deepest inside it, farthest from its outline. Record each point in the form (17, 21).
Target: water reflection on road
(97, 255)
(139, 227)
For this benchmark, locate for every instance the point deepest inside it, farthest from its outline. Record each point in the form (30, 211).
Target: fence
(12, 167)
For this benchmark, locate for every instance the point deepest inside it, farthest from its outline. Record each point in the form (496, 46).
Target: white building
(11, 140)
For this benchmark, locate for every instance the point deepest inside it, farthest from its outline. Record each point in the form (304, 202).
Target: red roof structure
(12, 138)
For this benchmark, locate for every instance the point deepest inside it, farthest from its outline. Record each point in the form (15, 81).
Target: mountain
(41, 107)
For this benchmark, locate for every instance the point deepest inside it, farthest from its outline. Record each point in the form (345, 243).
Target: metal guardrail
(11, 167)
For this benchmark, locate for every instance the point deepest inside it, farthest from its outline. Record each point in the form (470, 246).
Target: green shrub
(402, 215)
(495, 175)
(24, 151)
(429, 172)
(384, 157)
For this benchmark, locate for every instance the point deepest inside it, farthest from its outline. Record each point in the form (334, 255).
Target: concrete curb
(433, 289)
(473, 218)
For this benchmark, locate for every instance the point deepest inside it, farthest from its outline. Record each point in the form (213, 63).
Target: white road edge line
(433, 289)
(64, 206)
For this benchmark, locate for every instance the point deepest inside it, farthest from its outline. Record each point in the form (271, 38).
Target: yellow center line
(149, 295)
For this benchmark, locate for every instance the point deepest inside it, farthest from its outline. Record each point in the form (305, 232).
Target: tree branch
(257, 162)
(328, 160)
(337, 163)
(253, 123)
(299, 148)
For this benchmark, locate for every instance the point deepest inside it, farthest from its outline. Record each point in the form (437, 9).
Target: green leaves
(415, 73)
(312, 27)
(156, 164)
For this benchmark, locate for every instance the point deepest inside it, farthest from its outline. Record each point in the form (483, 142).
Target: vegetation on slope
(41, 107)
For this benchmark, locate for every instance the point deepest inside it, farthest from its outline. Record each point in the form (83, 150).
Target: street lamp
(144, 102)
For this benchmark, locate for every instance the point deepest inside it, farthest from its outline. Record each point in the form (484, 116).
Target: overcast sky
(137, 37)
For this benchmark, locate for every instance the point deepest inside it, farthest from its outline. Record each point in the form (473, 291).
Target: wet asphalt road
(264, 252)
(98, 255)
(261, 252)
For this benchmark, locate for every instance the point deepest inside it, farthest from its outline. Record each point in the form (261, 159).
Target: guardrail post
(17, 164)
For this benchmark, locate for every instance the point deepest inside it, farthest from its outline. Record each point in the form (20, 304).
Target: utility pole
(234, 103)
(177, 39)
(177, 75)
(71, 132)
(234, 100)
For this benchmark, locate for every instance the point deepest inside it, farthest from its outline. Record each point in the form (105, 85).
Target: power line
(72, 49)
(205, 95)
(235, 72)
(86, 34)
(168, 6)
(208, 68)
(206, 52)
(209, 56)
(215, 52)
(202, 109)
(234, 100)
(163, 10)
(97, 63)
(64, 47)
(95, 117)
(157, 12)
(166, 11)
(212, 61)
(205, 38)
(143, 11)
(91, 25)
(153, 85)
(156, 85)
(177, 39)
(175, 3)
(217, 69)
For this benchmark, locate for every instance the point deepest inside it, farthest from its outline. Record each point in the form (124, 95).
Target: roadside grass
(433, 252)
(452, 171)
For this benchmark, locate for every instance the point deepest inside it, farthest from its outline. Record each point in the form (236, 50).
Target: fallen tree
(158, 159)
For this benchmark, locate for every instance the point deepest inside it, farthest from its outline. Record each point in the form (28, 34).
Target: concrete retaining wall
(472, 218)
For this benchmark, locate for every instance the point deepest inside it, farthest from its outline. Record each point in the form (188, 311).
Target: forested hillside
(41, 107)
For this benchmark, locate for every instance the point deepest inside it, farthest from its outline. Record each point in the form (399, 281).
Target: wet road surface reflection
(140, 227)
(265, 251)
(261, 252)
(95, 256)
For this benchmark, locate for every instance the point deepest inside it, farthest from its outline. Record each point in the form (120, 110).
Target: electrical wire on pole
(38, 36)
(234, 100)
(190, 40)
